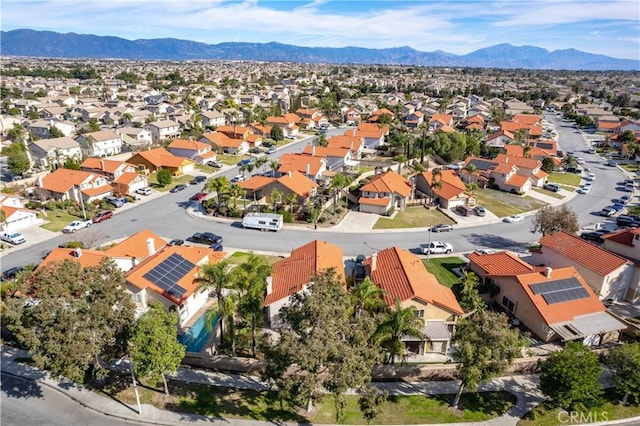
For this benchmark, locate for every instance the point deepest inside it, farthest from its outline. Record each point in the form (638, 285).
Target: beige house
(626, 243)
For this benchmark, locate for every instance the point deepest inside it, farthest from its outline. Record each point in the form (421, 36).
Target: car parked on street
(436, 247)
(101, 216)
(610, 163)
(442, 228)
(480, 211)
(595, 236)
(585, 189)
(206, 238)
(271, 150)
(14, 238)
(513, 218)
(144, 191)
(12, 273)
(215, 164)
(178, 188)
(553, 187)
(237, 178)
(76, 225)
(591, 177)
(573, 170)
(199, 196)
(198, 179)
(607, 211)
(176, 242)
(114, 201)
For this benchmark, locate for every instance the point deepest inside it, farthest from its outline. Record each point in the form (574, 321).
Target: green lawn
(153, 181)
(549, 193)
(413, 217)
(630, 167)
(611, 408)
(571, 179)
(58, 219)
(504, 204)
(230, 160)
(205, 169)
(240, 257)
(253, 405)
(442, 268)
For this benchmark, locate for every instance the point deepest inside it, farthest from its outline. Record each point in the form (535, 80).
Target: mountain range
(31, 43)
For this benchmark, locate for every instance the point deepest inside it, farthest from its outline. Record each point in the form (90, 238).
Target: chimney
(289, 173)
(547, 272)
(374, 261)
(40, 181)
(269, 285)
(308, 169)
(351, 147)
(150, 246)
(102, 165)
(313, 150)
(77, 252)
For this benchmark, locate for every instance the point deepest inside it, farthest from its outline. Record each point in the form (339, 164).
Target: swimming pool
(196, 337)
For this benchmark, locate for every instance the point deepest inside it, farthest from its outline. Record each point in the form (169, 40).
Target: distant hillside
(71, 45)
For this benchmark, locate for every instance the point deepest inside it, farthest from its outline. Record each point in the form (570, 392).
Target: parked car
(617, 206)
(144, 191)
(101, 216)
(199, 196)
(11, 273)
(594, 235)
(237, 178)
(216, 247)
(214, 163)
(442, 228)
(14, 238)
(573, 170)
(178, 188)
(293, 138)
(206, 238)
(625, 199)
(554, 187)
(76, 225)
(626, 221)
(591, 177)
(513, 218)
(610, 163)
(271, 150)
(436, 247)
(114, 201)
(246, 161)
(584, 190)
(607, 211)
(480, 211)
(485, 251)
(176, 242)
(198, 179)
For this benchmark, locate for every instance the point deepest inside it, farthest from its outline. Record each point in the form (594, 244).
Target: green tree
(486, 347)
(54, 132)
(215, 276)
(235, 192)
(291, 198)
(17, 159)
(71, 318)
(273, 165)
(624, 363)
(548, 165)
(370, 401)
(367, 297)
(17, 133)
(71, 164)
(218, 185)
(275, 196)
(469, 297)
(570, 377)
(321, 345)
(397, 323)
(226, 309)
(276, 133)
(154, 346)
(550, 219)
(164, 177)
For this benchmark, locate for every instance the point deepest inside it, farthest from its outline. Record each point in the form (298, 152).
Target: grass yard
(413, 217)
(570, 179)
(504, 204)
(230, 160)
(240, 257)
(153, 182)
(205, 169)
(549, 193)
(611, 408)
(630, 167)
(58, 219)
(254, 405)
(442, 268)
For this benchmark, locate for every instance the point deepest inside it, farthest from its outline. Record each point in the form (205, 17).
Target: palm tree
(235, 192)
(243, 169)
(436, 182)
(273, 165)
(250, 167)
(526, 151)
(367, 297)
(226, 309)
(261, 162)
(276, 197)
(291, 199)
(398, 322)
(218, 185)
(215, 277)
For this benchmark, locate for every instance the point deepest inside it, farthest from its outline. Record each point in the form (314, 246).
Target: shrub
(287, 217)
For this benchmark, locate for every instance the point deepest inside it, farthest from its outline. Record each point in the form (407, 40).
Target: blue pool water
(196, 337)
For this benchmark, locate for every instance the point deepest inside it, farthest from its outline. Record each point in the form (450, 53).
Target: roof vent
(77, 252)
(547, 272)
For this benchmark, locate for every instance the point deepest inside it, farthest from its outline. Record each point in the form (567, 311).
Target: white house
(100, 144)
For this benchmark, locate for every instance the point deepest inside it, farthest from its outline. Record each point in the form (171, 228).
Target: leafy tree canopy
(164, 177)
(550, 219)
(624, 362)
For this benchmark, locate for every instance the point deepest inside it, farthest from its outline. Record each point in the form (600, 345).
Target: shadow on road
(19, 387)
(495, 242)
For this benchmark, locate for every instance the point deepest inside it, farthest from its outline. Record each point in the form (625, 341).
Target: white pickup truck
(14, 238)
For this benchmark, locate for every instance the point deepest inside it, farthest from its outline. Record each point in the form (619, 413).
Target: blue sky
(610, 27)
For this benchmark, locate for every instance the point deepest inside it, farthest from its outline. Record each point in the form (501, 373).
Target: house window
(419, 313)
(507, 303)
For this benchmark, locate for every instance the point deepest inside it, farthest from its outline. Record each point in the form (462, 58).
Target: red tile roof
(450, 184)
(86, 258)
(290, 275)
(502, 263)
(403, 276)
(624, 236)
(135, 246)
(388, 182)
(188, 144)
(586, 254)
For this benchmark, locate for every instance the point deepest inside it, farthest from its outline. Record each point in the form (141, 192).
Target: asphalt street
(166, 216)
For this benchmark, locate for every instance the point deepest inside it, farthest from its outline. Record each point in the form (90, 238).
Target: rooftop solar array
(483, 164)
(559, 291)
(167, 274)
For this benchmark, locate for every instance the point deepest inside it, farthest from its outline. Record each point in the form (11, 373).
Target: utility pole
(79, 195)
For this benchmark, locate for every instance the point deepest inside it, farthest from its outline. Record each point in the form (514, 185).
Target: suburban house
(553, 303)
(100, 144)
(65, 184)
(212, 118)
(170, 277)
(414, 119)
(352, 143)
(611, 276)
(337, 158)
(626, 243)
(135, 137)
(312, 167)
(293, 182)
(538, 150)
(163, 130)
(288, 123)
(379, 113)
(85, 257)
(441, 122)
(199, 152)
(504, 175)
(42, 128)
(448, 190)
(122, 175)
(292, 275)
(159, 158)
(351, 116)
(403, 277)
(385, 193)
(372, 134)
(16, 215)
(52, 153)
(260, 129)
(530, 167)
(225, 144)
(500, 138)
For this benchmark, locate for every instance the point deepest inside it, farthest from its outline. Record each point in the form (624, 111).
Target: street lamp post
(79, 195)
(429, 244)
(135, 383)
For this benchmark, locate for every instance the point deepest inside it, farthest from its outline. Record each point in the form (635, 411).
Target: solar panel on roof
(559, 291)
(167, 274)
(555, 285)
(482, 164)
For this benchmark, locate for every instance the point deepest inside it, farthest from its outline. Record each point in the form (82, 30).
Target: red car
(103, 215)
(199, 196)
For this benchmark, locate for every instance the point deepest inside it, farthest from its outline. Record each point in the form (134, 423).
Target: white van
(263, 221)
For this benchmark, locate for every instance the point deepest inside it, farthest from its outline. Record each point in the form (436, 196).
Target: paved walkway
(523, 387)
